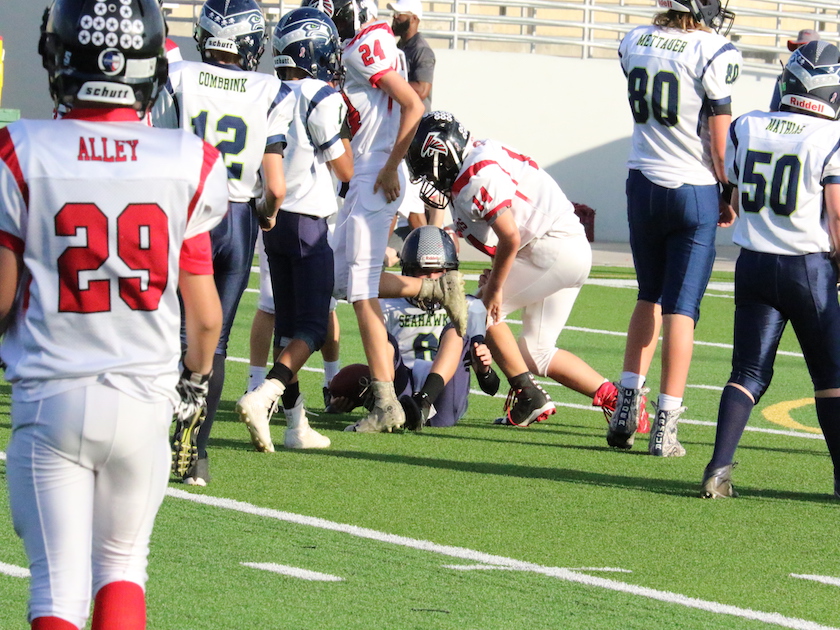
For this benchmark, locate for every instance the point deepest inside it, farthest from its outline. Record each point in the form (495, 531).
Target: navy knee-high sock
(828, 415)
(214, 395)
(733, 414)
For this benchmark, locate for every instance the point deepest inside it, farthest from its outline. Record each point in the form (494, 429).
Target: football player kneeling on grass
(93, 254)
(508, 207)
(432, 362)
(786, 170)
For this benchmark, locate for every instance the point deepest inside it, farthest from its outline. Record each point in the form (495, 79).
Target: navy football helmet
(436, 155)
(108, 52)
(427, 248)
(709, 12)
(306, 38)
(347, 15)
(234, 26)
(811, 81)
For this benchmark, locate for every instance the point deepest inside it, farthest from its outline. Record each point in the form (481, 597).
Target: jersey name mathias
(652, 40)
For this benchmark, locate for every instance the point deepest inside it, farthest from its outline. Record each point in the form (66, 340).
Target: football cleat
(624, 421)
(387, 413)
(298, 432)
(448, 290)
(416, 409)
(717, 483)
(606, 398)
(183, 442)
(256, 408)
(199, 473)
(663, 435)
(525, 406)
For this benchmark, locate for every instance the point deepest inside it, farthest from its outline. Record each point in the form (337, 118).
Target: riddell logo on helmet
(807, 104)
(433, 144)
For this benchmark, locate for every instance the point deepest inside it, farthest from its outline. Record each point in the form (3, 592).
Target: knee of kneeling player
(538, 359)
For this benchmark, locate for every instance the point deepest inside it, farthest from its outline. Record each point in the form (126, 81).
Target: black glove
(192, 388)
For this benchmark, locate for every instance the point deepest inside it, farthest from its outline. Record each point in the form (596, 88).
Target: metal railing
(582, 28)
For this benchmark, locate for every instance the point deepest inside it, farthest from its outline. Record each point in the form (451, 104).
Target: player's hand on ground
(192, 389)
(388, 181)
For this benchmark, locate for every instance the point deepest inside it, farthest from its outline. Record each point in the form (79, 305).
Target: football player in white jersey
(786, 169)
(506, 206)
(680, 72)
(383, 113)
(246, 115)
(307, 57)
(103, 219)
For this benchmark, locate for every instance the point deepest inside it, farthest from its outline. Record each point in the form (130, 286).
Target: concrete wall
(570, 115)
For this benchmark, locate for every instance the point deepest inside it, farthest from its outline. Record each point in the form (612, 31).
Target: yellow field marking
(780, 414)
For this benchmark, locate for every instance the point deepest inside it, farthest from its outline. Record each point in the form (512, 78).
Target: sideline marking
(780, 414)
(493, 567)
(303, 574)
(13, 570)
(823, 579)
(485, 558)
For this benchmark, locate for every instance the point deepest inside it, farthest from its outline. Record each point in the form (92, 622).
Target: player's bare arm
(832, 209)
(411, 111)
(508, 232)
(10, 268)
(342, 166)
(718, 129)
(275, 189)
(423, 88)
(203, 319)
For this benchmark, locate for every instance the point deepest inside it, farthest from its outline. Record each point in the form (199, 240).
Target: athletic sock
(668, 403)
(280, 372)
(733, 415)
(119, 605)
(331, 368)
(521, 381)
(214, 395)
(291, 395)
(631, 380)
(828, 415)
(52, 623)
(433, 386)
(256, 375)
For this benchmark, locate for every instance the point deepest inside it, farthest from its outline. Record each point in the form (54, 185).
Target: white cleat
(255, 409)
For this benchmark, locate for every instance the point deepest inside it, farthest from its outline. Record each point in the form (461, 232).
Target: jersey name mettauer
(222, 83)
(426, 319)
(784, 127)
(666, 43)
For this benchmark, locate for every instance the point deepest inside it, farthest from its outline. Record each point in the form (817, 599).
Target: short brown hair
(679, 20)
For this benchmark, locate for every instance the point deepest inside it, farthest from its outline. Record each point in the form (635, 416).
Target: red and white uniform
(554, 257)
(100, 210)
(364, 222)
(796, 150)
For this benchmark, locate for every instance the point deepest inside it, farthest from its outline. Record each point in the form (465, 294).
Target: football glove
(192, 389)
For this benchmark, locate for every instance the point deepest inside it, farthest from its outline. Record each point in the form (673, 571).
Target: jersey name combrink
(651, 40)
(222, 83)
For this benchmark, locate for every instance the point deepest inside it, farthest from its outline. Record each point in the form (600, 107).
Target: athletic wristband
(726, 190)
(194, 377)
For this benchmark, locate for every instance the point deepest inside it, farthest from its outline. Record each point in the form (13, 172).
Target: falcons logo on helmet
(433, 144)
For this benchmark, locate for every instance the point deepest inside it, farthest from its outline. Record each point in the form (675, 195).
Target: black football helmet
(427, 248)
(306, 38)
(107, 52)
(347, 15)
(709, 12)
(234, 26)
(436, 155)
(811, 81)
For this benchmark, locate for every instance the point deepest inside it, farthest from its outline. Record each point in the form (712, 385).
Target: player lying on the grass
(246, 115)
(432, 362)
(786, 169)
(509, 208)
(93, 252)
(307, 58)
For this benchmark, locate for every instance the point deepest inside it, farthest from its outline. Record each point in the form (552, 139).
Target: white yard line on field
(14, 571)
(303, 574)
(823, 579)
(479, 557)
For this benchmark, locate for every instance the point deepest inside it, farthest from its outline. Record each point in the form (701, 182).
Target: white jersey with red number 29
(374, 117)
(99, 212)
(494, 177)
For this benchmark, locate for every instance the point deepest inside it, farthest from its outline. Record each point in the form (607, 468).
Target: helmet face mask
(436, 155)
(811, 81)
(104, 53)
(232, 26)
(347, 15)
(306, 38)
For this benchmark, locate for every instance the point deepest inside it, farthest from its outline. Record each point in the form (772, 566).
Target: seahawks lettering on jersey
(671, 76)
(238, 112)
(494, 176)
(80, 223)
(313, 139)
(780, 162)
